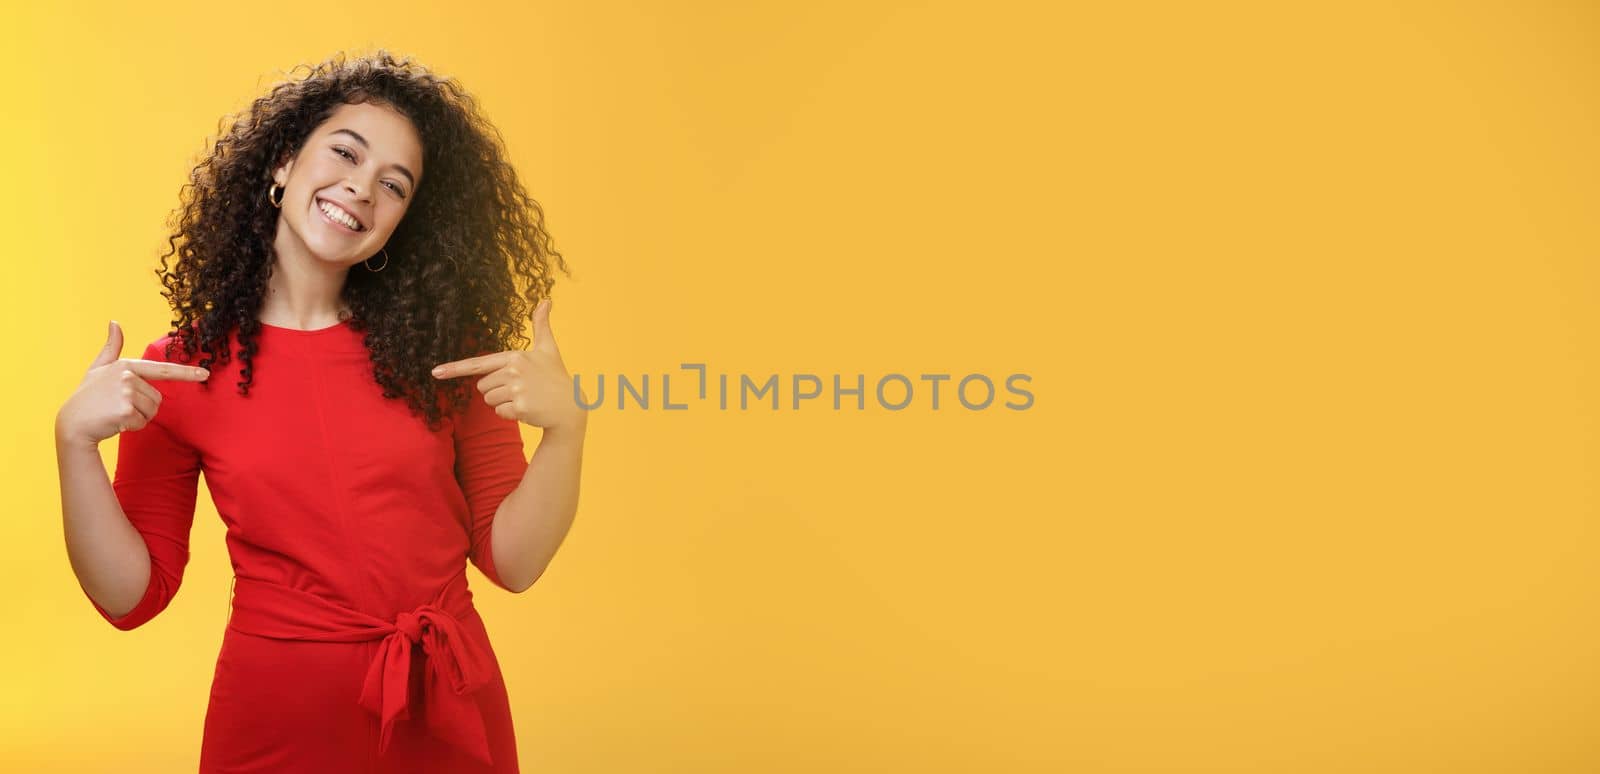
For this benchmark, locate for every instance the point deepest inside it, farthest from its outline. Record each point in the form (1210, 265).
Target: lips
(337, 216)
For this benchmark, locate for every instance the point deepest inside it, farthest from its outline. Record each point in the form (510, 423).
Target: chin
(328, 257)
(324, 254)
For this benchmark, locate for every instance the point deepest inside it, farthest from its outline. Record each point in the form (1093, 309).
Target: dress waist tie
(456, 665)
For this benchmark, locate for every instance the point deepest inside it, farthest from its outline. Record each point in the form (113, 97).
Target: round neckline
(304, 332)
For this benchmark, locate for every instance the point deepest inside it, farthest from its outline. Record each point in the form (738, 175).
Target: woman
(356, 481)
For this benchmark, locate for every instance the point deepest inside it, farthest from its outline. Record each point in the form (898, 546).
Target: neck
(303, 291)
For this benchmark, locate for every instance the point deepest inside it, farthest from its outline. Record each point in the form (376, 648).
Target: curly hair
(470, 258)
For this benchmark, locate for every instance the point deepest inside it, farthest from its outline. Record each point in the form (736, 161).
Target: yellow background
(1306, 293)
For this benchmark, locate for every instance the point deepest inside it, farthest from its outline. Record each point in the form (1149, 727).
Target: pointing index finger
(155, 369)
(473, 365)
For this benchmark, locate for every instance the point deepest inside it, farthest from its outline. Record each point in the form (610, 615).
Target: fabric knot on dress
(410, 625)
(453, 669)
(453, 665)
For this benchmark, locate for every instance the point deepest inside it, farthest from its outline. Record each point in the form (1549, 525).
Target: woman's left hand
(532, 387)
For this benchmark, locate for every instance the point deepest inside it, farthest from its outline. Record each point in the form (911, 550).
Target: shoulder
(158, 350)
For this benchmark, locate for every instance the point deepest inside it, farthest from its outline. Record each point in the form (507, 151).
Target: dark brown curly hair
(468, 261)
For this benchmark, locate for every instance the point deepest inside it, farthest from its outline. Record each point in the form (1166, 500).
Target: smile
(337, 216)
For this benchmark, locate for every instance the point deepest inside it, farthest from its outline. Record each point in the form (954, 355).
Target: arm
(128, 541)
(534, 519)
(106, 552)
(522, 512)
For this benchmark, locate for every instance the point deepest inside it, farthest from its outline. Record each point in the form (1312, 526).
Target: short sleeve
(156, 482)
(489, 464)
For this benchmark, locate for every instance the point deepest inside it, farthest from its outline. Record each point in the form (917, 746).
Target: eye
(396, 189)
(342, 152)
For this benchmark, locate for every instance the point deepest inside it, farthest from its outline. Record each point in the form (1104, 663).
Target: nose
(358, 191)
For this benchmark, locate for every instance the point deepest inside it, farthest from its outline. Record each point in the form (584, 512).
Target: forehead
(389, 134)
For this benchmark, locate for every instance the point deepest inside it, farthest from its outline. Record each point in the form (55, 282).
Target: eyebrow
(363, 142)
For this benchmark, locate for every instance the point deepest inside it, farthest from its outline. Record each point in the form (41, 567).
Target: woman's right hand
(114, 396)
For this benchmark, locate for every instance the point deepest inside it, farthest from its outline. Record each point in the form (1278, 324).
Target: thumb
(541, 324)
(113, 348)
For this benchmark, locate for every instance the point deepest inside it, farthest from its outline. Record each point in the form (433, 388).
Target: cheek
(304, 176)
(314, 167)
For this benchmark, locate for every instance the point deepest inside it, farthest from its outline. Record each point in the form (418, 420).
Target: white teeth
(333, 211)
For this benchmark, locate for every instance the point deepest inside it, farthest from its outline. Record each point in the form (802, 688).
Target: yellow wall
(1306, 295)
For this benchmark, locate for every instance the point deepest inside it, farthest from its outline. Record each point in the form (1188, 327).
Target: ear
(280, 173)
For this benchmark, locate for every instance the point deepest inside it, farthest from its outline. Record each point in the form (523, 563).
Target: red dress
(352, 644)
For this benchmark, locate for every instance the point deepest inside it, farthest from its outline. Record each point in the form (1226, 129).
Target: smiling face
(352, 181)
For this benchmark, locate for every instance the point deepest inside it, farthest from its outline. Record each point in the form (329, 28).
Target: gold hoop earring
(380, 268)
(277, 191)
